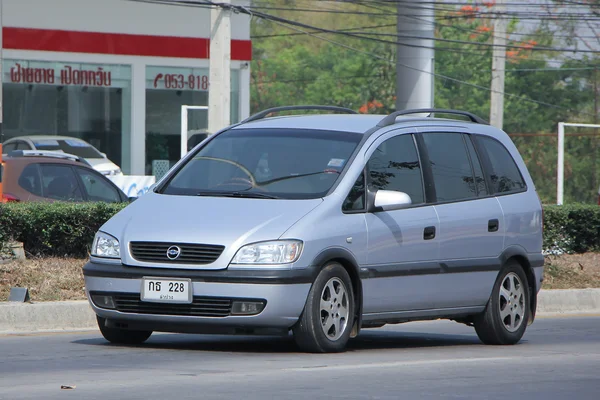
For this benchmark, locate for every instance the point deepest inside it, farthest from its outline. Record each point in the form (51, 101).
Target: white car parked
(64, 144)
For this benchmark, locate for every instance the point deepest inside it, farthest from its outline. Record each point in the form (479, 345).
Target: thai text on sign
(67, 76)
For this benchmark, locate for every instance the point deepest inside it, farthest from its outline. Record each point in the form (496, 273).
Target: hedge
(67, 229)
(571, 228)
(53, 229)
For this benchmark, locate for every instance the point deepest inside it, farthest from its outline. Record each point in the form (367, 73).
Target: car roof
(45, 137)
(45, 160)
(357, 123)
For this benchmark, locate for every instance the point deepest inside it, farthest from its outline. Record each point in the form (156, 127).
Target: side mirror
(388, 200)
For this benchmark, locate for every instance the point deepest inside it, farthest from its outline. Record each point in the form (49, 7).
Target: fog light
(247, 307)
(103, 301)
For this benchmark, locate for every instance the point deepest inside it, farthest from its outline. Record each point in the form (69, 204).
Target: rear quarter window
(504, 175)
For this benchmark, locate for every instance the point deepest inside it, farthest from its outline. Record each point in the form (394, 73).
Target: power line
(423, 71)
(295, 26)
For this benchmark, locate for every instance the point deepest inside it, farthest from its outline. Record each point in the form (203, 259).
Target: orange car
(47, 176)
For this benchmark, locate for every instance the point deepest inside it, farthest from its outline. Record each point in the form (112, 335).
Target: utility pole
(219, 89)
(498, 66)
(415, 56)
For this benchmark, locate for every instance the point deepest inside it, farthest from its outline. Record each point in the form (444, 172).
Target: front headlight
(276, 252)
(105, 246)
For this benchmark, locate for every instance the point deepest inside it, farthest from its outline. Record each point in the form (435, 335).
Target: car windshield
(71, 146)
(266, 163)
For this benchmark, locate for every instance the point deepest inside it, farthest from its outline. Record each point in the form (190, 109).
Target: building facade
(114, 73)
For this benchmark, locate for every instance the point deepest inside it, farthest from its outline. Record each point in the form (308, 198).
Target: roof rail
(264, 113)
(46, 153)
(391, 119)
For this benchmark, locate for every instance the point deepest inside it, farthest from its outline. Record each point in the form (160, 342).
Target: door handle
(493, 225)
(429, 233)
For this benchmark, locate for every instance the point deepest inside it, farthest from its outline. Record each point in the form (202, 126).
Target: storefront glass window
(87, 101)
(167, 89)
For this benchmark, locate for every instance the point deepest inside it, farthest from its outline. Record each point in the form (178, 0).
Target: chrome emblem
(173, 252)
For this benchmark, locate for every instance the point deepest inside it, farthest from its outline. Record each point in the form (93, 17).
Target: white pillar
(138, 119)
(244, 91)
(414, 86)
(219, 90)
(560, 172)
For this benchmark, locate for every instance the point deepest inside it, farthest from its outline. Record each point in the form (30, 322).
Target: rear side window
(30, 180)
(59, 183)
(7, 148)
(451, 167)
(504, 175)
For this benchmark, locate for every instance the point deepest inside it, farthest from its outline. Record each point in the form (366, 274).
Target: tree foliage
(543, 86)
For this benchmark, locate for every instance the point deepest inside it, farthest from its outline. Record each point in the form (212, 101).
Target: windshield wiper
(246, 195)
(285, 178)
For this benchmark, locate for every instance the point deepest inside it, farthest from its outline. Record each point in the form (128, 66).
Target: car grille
(190, 253)
(200, 307)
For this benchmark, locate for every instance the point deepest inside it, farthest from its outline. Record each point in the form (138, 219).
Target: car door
(471, 234)
(402, 244)
(97, 187)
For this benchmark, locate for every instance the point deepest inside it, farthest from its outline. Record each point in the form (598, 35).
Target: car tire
(505, 317)
(328, 316)
(122, 336)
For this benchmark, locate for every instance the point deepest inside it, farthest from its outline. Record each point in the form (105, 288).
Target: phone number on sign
(180, 81)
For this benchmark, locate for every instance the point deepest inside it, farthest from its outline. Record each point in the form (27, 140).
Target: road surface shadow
(368, 340)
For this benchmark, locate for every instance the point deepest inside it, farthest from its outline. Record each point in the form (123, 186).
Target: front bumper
(284, 291)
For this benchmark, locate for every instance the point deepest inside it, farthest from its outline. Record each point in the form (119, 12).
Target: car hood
(230, 222)
(102, 164)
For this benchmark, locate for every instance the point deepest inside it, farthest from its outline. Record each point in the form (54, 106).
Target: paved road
(559, 358)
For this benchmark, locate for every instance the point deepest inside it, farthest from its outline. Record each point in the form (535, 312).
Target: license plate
(168, 290)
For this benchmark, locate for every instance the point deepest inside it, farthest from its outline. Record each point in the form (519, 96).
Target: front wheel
(505, 317)
(328, 316)
(122, 336)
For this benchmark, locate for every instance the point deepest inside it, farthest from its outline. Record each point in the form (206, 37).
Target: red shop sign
(181, 81)
(67, 76)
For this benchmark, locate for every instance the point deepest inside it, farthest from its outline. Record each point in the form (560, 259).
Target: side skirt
(373, 320)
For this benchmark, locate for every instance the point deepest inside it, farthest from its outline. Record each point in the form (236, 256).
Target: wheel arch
(519, 255)
(347, 260)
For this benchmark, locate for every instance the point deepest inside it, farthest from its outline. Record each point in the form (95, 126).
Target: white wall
(118, 16)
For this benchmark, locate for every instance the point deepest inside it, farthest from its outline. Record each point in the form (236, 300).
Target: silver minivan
(326, 224)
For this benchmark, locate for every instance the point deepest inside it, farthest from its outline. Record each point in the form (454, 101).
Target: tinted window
(97, 188)
(478, 172)
(22, 146)
(59, 183)
(7, 148)
(395, 166)
(72, 146)
(505, 175)
(452, 174)
(30, 180)
(356, 198)
(290, 163)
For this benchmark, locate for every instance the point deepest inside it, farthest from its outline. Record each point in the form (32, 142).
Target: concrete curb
(78, 315)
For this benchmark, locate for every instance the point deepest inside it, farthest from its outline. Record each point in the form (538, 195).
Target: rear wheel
(328, 316)
(505, 317)
(122, 336)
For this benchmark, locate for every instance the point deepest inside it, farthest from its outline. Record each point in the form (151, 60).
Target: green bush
(572, 228)
(54, 229)
(67, 229)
